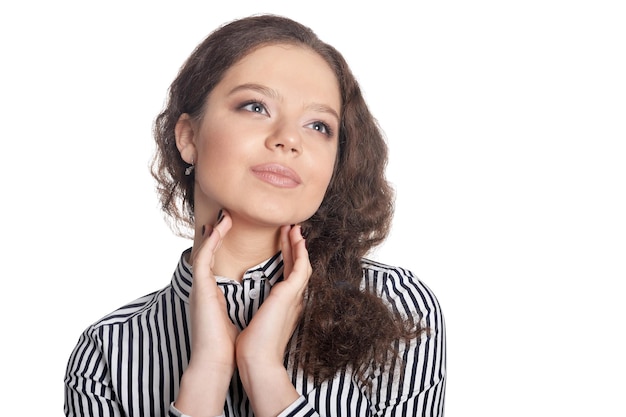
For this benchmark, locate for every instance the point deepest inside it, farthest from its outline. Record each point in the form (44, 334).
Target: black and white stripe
(130, 362)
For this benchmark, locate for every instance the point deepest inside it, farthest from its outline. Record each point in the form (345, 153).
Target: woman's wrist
(203, 391)
(268, 386)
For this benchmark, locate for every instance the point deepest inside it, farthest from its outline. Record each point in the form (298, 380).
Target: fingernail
(220, 216)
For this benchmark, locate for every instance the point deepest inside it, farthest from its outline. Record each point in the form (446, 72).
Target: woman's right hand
(205, 382)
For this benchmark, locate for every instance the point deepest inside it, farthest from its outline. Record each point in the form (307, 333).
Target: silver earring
(189, 170)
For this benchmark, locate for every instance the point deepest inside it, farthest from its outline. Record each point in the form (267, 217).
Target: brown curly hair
(342, 325)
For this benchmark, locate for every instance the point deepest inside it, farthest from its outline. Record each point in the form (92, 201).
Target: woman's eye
(322, 128)
(255, 107)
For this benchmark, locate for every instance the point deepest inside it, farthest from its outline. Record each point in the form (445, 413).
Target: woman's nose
(285, 137)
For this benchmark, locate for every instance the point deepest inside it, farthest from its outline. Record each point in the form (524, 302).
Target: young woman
(268, 152)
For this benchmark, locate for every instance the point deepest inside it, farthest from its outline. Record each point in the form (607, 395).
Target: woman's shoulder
(131, 311)
(400, 287)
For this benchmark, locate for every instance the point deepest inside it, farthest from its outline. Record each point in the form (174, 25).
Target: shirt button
(257, 275)
(254, 293)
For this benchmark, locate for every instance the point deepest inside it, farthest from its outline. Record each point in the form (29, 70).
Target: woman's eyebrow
(323, 108)
(273, 94)
(266, 91)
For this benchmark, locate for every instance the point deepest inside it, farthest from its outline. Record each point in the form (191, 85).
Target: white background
(507, 126)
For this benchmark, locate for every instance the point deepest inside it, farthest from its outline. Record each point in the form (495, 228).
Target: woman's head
(265, 145)
(353, 216)
(358, 187)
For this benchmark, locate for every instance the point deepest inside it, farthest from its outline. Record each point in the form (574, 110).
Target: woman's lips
(277, 175)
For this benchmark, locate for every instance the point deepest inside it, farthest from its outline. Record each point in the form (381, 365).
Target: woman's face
(265, 148)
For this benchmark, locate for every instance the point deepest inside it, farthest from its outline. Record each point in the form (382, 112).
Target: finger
(212, 239)
(301, 270)
(219, 231)
(285, 247)
(295, 234)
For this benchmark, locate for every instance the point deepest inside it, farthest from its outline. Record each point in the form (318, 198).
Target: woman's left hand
(260, 348)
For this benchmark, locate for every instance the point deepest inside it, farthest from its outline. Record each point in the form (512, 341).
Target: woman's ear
(185, 138)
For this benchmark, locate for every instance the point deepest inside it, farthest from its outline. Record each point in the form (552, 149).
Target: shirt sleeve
(88, 388)
(415, 383)
(300, 408)
(174, 412)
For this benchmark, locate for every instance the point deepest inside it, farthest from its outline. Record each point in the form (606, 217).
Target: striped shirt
(130, 362)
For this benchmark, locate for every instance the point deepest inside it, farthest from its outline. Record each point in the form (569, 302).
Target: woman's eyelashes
(255, 106)
(322, 128)
(259, 107)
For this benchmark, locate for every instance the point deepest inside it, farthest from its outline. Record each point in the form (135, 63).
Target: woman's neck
(243, 247)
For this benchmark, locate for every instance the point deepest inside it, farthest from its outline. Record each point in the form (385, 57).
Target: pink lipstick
(277, 175)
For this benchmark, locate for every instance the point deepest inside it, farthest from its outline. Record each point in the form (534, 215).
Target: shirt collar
(270, 269)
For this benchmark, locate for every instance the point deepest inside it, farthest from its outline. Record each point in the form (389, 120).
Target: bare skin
(264, 151)
(258, 350)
